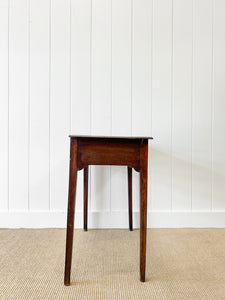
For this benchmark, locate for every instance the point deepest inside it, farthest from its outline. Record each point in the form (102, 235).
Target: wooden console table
(122, 151)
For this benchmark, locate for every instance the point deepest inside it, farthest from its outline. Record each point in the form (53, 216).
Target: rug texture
(181, 264)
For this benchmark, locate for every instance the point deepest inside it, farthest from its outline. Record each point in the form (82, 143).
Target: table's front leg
(143, 206)
(70, 212)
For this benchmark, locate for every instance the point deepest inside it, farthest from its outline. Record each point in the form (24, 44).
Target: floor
(181, 264)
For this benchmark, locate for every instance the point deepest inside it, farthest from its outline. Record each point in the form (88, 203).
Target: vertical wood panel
(119, 189)
(141, 67)
(161, 104)
(18, 105)
(121, 92)
(141, 78)
(101, 96)
(101, 67)
(4, 104)
(39, 104)
(80, 77)
(100, 188)
(121, 67)
(219, 107)
(202, 106)
(80, 66)
(182, 104)
(59, 103)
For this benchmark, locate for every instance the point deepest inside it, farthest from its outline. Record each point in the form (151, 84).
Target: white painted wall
(112, 67)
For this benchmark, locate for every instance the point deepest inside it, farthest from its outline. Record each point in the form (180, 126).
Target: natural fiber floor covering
(181, 264)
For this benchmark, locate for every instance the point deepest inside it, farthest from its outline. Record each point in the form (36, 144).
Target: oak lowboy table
(121, 151)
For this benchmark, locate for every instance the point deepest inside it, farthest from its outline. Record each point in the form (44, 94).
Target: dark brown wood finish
(70, 211)
(143, 205)
(123, 151)
(85, 197)
(102, 151)
(129, 172)
(112, 137)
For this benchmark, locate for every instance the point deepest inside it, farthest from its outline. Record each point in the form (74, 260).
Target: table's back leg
(85, 197)
(70, 212)
(129, 170)
(143, 206)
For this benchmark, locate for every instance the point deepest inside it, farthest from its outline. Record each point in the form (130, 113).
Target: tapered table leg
(129, 170)
(85, 197)
(70, 211)
(143, 206)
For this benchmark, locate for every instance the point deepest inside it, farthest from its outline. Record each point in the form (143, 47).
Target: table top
(112, 137)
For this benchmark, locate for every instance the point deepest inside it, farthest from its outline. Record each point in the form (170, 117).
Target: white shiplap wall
(112, 67)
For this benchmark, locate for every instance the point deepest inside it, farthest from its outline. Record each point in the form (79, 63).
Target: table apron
(111, 153)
